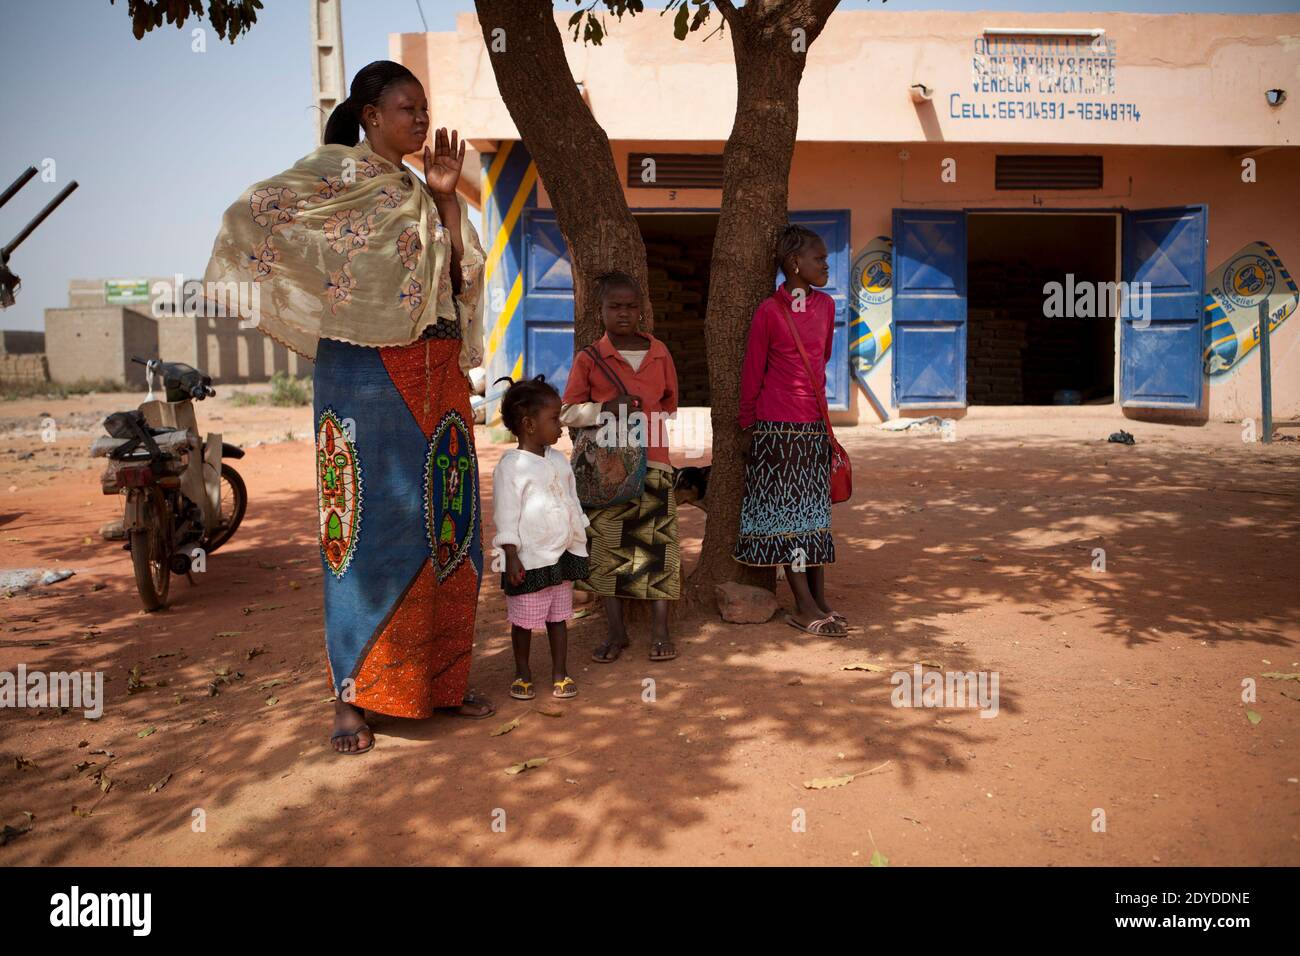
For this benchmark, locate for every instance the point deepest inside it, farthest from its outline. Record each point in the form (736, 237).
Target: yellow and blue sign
(1234, 290)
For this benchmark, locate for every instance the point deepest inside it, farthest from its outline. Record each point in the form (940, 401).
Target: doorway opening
(679, 249)
(1016, 354)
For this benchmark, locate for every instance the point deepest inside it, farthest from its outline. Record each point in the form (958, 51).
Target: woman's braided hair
(792, 241)
(369, 85)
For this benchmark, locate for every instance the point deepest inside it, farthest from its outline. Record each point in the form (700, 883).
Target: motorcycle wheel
(234, 502)
(151, 553)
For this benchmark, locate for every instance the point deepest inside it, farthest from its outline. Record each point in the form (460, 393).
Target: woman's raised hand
(442, 166)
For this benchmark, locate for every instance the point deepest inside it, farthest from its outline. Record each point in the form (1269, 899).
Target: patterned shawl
(346, 246)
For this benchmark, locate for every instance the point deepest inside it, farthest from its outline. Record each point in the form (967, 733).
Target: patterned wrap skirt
(633, 547)
(786, 515)
(400, 528)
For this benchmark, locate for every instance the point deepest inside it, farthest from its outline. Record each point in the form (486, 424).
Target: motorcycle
(183, 501)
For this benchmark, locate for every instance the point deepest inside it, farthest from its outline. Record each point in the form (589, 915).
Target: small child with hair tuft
(541, 529)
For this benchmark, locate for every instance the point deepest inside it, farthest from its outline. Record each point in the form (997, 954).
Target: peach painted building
(984, 183)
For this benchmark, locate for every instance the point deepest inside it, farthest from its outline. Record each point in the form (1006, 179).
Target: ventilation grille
(1049, 172)
(675, 171)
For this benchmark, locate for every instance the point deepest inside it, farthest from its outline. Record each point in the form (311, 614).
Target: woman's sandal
(600, 654)
(363, 729)
(522, 689)
(658, 655)
(471, 698)
(821, 627)
(564, 689)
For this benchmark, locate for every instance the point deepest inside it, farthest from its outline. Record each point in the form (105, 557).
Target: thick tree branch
(571, 150)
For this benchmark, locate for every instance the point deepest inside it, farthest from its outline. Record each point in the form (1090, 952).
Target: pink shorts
(535, 610)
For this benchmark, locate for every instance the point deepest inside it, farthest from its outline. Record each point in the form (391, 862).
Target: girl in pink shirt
(786, 516)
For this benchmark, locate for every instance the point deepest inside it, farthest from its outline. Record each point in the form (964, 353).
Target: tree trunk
(755, 194)
(570, 149)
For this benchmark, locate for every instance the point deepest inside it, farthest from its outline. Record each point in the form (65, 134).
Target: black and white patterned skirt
(786, 515)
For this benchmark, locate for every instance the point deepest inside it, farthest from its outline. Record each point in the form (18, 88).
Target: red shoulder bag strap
(807, 366)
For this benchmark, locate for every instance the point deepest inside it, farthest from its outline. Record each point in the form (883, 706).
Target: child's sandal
(566, 688)
(522, 689)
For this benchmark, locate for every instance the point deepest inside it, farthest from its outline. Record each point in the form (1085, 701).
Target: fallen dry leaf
(159, 784)
(1278, 675)
(534, 763)
(826, 783)
(506, 728)
(874, 668)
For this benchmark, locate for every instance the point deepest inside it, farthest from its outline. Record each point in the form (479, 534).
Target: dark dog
(691, 485)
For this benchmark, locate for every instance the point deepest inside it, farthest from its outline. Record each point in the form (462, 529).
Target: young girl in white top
(542, 530)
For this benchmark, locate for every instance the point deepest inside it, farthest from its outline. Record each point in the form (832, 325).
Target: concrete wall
(92, 341)
(95, 344)
(1194, 79)
(226, 352)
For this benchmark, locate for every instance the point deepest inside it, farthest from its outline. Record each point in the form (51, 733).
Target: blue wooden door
(929, 308)
(1160, 349)
(548, 299)
(833, 227)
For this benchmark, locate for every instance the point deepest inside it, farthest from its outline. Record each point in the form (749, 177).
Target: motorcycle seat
(170, 441)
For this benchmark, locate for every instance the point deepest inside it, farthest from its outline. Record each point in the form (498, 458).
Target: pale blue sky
(163, 139)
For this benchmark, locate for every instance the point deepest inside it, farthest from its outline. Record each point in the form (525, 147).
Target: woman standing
(377, 277)
(785, 519)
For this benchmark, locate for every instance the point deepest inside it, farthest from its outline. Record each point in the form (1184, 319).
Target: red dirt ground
(1120, 690)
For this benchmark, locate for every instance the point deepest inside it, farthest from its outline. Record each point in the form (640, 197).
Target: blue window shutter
(929, 308)
(1161, 358)
(548, 299)
(833, 227)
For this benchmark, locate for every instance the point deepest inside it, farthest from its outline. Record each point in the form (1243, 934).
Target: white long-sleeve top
(536, 508)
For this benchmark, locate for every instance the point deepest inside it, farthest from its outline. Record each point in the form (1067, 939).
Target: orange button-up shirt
(655, 383)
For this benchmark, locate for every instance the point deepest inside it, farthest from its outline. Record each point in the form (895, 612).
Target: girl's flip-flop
(604, 648)
(658, 655)
(522, 689)
(566, 688)
(364, 728)
(821, 627)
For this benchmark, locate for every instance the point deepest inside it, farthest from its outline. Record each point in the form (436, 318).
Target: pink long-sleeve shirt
(773, 384)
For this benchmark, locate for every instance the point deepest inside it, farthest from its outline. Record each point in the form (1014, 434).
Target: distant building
(108, 322)
(955, 164)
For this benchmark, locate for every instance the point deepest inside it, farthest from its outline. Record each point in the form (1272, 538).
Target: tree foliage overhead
(588, 19)
(230, 18)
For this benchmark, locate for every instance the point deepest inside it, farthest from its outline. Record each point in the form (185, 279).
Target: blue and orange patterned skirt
(400, 529)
